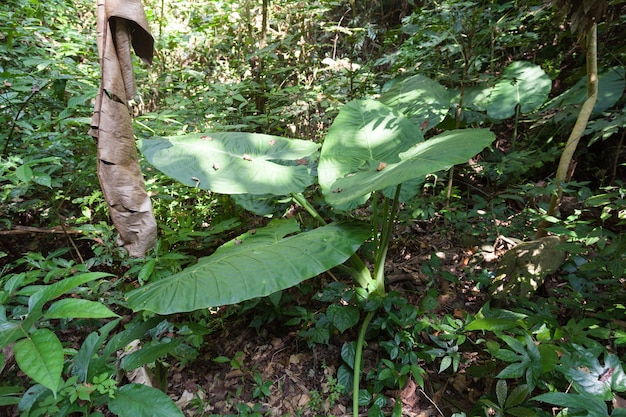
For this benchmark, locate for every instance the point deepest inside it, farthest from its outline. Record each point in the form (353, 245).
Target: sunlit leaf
(234, 162)
(522, 84)
(424, 101)
(491, 324)
(366, 133)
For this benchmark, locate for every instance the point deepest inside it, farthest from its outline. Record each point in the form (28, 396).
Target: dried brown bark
(122, 23)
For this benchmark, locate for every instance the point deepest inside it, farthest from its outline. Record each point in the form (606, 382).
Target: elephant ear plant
(372, 147)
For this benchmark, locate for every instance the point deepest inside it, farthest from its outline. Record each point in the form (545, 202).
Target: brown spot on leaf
(606, 375)
(381, 166)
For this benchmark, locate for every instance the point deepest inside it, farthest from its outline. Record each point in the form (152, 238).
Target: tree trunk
(579, 127)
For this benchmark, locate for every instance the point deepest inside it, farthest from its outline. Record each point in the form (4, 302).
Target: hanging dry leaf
(120, 24)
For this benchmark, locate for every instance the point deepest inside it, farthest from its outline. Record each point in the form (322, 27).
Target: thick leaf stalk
(389, 214)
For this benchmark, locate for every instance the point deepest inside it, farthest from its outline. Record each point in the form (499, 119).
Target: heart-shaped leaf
(424, 101)
(522, 83)
(366, 134)
(256, 264)
(234, 162)
(371, 147)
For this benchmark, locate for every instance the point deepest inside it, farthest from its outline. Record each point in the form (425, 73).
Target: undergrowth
(560, 349)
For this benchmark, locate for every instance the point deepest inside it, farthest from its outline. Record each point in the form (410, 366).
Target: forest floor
(301, 379)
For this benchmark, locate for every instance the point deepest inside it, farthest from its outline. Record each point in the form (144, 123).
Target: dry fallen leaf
(119, 173)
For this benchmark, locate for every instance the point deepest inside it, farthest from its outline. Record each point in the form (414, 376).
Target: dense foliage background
(441, 343)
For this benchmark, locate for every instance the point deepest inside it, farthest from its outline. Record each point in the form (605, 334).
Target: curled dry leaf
(119, 173)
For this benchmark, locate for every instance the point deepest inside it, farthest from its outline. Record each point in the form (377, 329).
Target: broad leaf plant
(372, 148)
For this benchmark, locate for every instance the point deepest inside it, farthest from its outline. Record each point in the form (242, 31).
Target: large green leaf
(136, 400)
(424, 101)
(256, 264)
(40, 356)
(234, 162)
(522, 83)
(436, 154)
(365, 135)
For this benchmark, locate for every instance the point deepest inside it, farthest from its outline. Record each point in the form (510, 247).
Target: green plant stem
(358, 271)
(380, 236)
(383, 246)
(375, 223)
(358, 352)
(304, 203)
(515, 126)
(34, 92)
